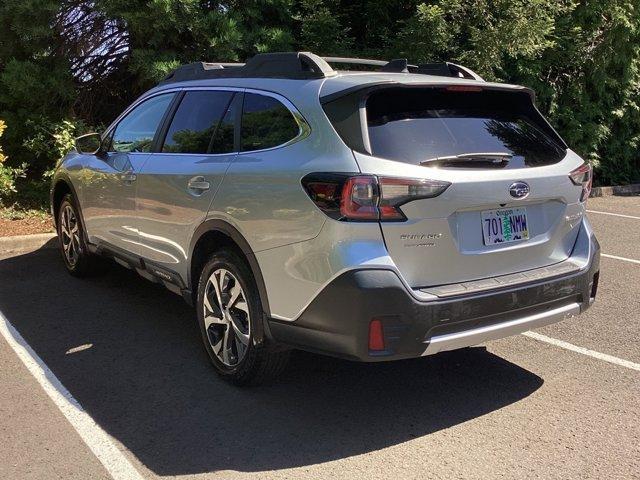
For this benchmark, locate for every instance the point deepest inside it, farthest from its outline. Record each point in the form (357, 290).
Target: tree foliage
(66, 64)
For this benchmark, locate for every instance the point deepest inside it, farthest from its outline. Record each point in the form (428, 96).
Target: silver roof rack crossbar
(306, 66)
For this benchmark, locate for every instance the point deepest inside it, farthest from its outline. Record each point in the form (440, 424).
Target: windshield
(418, 125)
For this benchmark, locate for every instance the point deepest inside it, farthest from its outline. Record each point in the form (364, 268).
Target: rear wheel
(229, 312)
(77, 258)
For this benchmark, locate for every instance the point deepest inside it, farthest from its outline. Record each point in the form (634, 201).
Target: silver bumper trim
(467, 338)
(566, 267)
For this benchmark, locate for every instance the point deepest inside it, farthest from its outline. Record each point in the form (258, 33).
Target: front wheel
(77, 258)
(229, 310)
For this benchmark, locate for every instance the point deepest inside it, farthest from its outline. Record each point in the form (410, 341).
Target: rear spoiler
(373, 86)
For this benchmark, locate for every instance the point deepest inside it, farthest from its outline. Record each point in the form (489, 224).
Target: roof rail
(291, 65)
(448, 69)
(401, 65)
(306, 66)
(355, 61)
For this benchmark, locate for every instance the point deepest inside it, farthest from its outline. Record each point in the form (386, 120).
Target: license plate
(504, 226)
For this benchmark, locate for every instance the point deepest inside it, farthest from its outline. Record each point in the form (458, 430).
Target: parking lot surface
(129, 353)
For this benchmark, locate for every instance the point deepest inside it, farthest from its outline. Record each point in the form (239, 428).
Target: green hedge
(66, 65)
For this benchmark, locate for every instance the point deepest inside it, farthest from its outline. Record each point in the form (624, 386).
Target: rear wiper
(494, 157)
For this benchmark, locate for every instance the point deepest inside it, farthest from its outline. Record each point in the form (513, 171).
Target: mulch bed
(25, 226)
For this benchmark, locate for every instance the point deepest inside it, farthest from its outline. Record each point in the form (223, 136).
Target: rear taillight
(583, 175)
(359, 198)
(398, 191)
(367, 198)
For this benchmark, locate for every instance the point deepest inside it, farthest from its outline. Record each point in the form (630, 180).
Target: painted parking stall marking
(99, 442)
(584, 351)
(613, 214)
(624, 259)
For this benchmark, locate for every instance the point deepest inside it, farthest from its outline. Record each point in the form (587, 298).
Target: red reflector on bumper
(376, 335)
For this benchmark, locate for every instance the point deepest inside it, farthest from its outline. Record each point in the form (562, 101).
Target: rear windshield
(449, 127)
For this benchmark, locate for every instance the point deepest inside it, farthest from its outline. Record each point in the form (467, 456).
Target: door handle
(129, 177)
(198, 185)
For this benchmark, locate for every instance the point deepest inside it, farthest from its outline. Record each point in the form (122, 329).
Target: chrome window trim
(303, 132)
(119, 118)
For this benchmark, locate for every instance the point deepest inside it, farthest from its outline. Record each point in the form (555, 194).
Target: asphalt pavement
(129, 353)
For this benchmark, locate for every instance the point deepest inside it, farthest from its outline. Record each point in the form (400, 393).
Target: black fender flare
(221, 226)
(64, 178)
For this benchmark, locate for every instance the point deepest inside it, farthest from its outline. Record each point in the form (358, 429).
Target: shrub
(50, 141)
(8, 175)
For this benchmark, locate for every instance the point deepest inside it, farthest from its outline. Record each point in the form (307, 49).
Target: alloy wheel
(226, 317)
(70, 230)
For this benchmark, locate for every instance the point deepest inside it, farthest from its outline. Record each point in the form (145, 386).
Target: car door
(178, 182)
(110, 178)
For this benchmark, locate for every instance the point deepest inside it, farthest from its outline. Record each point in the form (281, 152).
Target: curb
(621, 190)
(21, 243)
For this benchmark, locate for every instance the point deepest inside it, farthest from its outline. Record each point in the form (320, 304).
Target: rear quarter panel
(262, 195)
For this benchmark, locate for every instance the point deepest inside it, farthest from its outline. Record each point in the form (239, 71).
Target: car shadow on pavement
(146, 380)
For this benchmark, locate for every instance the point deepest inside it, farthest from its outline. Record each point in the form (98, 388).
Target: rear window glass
(418, 125)
(266, 123)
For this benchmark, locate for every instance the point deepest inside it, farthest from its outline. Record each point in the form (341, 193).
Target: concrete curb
(621, 190)
(21, 243)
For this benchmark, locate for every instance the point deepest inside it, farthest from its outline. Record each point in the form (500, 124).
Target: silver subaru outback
(367, 214)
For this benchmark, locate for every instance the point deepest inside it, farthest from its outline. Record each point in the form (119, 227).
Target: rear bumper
(337, 321)
(474, 336)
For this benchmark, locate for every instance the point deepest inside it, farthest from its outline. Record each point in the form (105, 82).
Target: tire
(71, 240)
(228, 333)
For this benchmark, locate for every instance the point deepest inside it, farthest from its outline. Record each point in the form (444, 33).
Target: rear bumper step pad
(563, 268)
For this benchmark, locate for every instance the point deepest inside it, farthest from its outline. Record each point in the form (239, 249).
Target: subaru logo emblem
(519, 189)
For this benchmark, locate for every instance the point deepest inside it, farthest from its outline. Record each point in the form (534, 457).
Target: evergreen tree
(66, 64)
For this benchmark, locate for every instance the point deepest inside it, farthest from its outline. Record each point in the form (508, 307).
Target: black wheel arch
(217, 233)
(61, 186)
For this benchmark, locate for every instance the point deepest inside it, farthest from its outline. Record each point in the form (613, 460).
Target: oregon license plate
(504, 225)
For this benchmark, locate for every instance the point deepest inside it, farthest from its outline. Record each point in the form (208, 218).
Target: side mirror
(88, 144)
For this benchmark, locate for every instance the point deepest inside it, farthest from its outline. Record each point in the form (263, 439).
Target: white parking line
(585, 351)
(613, 214)
(100, 442)
(625, 259)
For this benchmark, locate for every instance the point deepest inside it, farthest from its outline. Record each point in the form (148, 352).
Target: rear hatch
(510, 207)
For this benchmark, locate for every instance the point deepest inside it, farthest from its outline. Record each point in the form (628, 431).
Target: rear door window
(456, 128)
(195, 121)
(266, 123)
